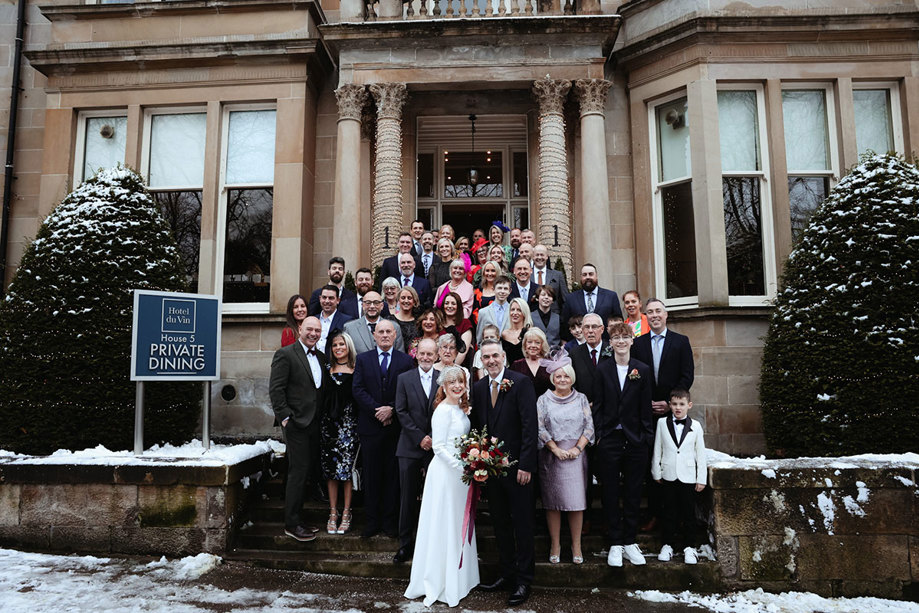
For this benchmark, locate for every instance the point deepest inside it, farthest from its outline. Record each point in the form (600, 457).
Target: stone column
(387, 192)
(595, 228)
(346, 237)
(554, 229)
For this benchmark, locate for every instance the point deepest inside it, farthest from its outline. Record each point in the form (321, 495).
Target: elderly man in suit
(296, 374)
(330, 318)
(670, 356)
(591, 298)
(624, 429)
(415, 392)
(361, 330)
(408, 277)
(543, 275)
(376, 373)
(586, 357)
(336, 278)
(505, 403)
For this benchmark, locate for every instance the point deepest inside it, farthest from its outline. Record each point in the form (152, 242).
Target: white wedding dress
(436, 574)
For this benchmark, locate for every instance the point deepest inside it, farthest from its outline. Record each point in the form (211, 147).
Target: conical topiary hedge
(65, 325)
(840, 370)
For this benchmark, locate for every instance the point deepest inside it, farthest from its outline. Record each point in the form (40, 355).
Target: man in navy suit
(590, 298)
(336, 276)
(330, 317)
(353, 305)
(523, 286)
(417, 232)
(505, 403)
(390, 266)
(375, 376)
(624, 429)
(669, 355)
(407, 276)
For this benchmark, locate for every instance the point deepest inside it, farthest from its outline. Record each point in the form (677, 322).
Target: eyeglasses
(591, 326)
(373, 302)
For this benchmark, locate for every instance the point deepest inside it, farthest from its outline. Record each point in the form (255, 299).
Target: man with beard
(515, 243)
(354, 305)
(336, 278)
(590, 298)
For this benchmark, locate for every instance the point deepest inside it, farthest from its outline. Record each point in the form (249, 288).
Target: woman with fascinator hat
(566, 427)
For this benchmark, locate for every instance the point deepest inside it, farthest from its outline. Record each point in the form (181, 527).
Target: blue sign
(176, 337)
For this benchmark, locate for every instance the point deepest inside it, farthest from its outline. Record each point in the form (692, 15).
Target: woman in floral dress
(337, 428)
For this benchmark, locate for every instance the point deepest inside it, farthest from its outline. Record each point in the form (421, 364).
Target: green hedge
(65, 326)
(840, 370)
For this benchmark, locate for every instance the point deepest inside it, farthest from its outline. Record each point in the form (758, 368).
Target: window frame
(896, 118)
(79, 152)
(767, 218)
(657, 208)
(252, 308)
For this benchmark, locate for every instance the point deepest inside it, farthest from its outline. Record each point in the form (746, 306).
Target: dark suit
(624, 428)
(345, 294)
(339, 320)
(575, 304)
(421, 285)
(373, 389)
(413, 409)
(556, 280)
(294, 395)
(676, 369)
(390, 268)
(531, 293)
(584, 370)
(513, 420)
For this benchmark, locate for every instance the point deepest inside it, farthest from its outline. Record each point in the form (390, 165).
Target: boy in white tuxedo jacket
(679, 465)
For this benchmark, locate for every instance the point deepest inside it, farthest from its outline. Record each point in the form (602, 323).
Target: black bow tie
(312, 352)
(681, 422)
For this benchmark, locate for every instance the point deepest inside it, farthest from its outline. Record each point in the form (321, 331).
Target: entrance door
(465, 218)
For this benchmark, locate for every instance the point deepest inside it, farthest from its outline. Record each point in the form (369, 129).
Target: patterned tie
(404, 281)
(593, 356)
(590, 303)
(494, 393)
(656, 342)
(540, 278)
(427, 263)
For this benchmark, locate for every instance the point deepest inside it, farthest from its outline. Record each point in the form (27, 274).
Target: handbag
(356, 470)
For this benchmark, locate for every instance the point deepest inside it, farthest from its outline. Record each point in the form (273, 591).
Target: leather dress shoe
(501, 585)
(519, 595)
(401, 556)
(300, 533)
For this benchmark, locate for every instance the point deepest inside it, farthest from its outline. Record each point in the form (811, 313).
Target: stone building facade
(677, 144)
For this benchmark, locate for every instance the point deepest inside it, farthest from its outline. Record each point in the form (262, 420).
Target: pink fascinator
(557, 359)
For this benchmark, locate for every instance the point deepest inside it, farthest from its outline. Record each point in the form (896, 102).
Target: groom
(505, 403)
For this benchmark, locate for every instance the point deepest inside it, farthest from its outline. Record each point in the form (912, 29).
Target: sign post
(175, 337)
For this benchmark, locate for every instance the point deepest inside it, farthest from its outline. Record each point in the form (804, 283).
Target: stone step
(669, 576)
(269, 536)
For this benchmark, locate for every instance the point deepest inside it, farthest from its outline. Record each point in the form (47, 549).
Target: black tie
(373, 327)
(681, 422)
(312, 352)
(593, 356)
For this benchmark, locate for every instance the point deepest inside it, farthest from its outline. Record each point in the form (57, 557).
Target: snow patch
(758, 601)
(828, 509)
(768, 473)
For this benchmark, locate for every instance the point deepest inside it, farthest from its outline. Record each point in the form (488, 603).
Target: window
(175, 174)
(810, 150)
(877, 118)
(101, 143)
(248, 196)
(746, 208)
(675, 238)
(477, 174)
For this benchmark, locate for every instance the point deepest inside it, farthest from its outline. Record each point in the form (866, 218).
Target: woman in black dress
(337, 427)
(519, 321)
(535, 351)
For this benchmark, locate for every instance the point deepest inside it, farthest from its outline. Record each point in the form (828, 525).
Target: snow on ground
(718, 459)
(758, 601)
(189, 454)
(41, 583)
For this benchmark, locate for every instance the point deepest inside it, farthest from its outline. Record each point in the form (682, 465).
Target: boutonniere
(506, 384)
(607, 352)
(634, 375)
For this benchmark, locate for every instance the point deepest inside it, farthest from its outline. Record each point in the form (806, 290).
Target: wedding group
(458, 333)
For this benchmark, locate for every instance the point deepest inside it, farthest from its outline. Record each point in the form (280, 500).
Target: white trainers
(615, 556)
(666, 553)
(634, 554)
(689, 556)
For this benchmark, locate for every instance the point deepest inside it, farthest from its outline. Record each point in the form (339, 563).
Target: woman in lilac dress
(565, 428)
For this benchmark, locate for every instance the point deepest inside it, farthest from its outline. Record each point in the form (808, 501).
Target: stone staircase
(264, 543)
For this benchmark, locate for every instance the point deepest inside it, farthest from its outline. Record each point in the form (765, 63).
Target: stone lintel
(73, 12)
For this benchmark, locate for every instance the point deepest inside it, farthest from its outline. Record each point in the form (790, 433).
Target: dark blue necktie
(384, 363)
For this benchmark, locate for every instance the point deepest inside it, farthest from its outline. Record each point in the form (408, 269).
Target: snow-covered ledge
(170, 500)
(836, 526)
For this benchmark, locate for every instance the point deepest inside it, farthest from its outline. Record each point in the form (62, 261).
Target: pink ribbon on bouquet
(472, 498)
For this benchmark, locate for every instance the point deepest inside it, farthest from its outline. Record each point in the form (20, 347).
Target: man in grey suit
(296, 374)
(415, 391)
(361, 329)
(496, 313)
(543, 275)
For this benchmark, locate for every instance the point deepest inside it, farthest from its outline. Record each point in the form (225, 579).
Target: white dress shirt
(593, 298)
(326, 328)
(313, 361)
(427, 380)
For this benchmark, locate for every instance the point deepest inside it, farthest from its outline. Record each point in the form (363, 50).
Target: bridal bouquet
(482, 457)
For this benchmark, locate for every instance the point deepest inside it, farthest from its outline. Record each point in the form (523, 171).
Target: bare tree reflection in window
(743, 234)
(182, 210)
(247, 263)
(679, 240)
(805, 194)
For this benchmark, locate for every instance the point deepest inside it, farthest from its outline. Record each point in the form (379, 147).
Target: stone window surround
(702, 108)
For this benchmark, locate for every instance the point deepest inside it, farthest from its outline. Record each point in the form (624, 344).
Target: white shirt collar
(423, 374)
(598, 347)
(410, 278)
(380, 352)
(663, 333)
(322, 316)
(499, 378)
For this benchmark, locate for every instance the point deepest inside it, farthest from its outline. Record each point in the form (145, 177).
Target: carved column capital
(592, 95)
(351, 99)
(551, 94)
(390, 97)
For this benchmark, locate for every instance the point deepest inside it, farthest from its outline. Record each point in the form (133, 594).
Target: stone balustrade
(464, 9)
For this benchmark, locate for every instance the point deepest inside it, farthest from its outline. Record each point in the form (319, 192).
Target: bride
(436, 572)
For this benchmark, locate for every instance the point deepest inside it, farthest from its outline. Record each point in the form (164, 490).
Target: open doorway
(466, 217)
